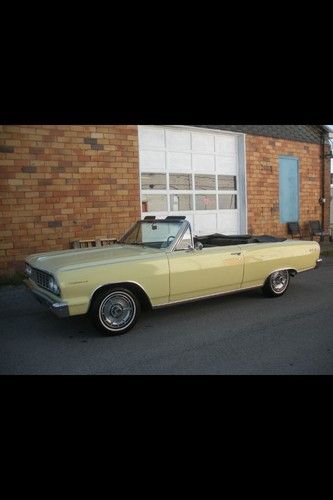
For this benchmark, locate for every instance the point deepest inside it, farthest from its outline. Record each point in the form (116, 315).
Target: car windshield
(153, 234)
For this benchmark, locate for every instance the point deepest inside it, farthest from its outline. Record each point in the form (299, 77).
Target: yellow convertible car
(159, 262)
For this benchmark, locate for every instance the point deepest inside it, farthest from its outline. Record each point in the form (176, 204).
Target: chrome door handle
(236, 253)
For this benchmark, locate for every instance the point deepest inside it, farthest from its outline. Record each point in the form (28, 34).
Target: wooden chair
(316, 230)
(98, 242)
(83, 243)
(294, 230)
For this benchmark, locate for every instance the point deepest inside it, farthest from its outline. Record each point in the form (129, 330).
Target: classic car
(159, 262)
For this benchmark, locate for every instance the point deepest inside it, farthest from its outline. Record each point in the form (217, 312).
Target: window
(183, 192)
(205, 182)
(227, 183)
(205, 202)
(154, 234)
(153, 181)
(182, 182)
(180, 202)
(227, 202)
(154, 203)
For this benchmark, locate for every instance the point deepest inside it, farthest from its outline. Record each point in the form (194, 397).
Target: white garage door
(196, 173)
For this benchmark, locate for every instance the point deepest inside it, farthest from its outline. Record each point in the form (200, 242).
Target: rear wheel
(276, 284)
(115, 311)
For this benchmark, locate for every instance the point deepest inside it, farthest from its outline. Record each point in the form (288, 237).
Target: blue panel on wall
(289, 190)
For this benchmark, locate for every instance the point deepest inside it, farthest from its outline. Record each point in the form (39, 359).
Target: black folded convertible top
(225, 236)
(266, 239)
(218, 239)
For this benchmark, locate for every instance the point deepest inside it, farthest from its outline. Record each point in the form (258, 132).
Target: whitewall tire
(277, 283)
(115, 311)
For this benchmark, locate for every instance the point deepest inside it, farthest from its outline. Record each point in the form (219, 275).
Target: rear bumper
(318, 263)
(58, 307)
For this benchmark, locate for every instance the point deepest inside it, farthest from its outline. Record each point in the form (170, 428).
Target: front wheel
(115, 311)
(276, 284)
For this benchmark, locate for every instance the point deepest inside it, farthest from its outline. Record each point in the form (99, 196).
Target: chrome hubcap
(117, 310)
(279, 281)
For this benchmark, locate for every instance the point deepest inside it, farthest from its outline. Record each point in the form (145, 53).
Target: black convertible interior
(221, 240)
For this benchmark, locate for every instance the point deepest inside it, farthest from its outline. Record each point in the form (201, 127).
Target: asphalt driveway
(236, 334)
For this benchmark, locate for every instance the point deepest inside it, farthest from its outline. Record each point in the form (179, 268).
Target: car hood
(77, 258)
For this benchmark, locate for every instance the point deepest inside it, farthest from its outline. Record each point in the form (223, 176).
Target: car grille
(40, 278)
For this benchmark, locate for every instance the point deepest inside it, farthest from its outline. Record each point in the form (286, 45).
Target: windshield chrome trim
(182, 230)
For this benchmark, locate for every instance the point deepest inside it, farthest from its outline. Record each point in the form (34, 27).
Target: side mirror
(189, 248)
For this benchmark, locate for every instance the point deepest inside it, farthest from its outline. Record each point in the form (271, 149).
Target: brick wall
(262, 155)
(59, 183)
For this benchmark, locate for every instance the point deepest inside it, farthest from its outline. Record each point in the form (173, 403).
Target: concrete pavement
(237, 334)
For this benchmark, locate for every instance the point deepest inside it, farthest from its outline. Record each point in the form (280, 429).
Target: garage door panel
(189, 216)
(179, 162)
(227, 222)
(226, 145)
(178, 140)
(152, 161)
(203, 163)
(226, 165)
(205, 223)
(184, 156)
(151, 138)
(159, 215)
(203, 143)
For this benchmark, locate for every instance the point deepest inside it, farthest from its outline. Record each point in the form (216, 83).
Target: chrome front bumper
(59, 308)
(318, 263)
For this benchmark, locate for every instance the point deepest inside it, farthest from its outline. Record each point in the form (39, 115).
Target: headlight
(53, 286)
(28, 270)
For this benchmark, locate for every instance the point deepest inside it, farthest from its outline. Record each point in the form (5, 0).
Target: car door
(199, 273)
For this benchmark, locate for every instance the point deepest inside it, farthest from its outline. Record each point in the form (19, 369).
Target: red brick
(71, 182)
(99, 190)
(263, 194)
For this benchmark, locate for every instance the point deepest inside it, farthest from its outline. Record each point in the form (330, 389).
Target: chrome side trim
(307, 269)
(292, 269)
(119, 283)
(218, 294)
(228, 292)
(60, 309)
(281, 269)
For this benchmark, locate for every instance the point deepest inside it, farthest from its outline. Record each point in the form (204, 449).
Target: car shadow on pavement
(83, 329)
(47, 326)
